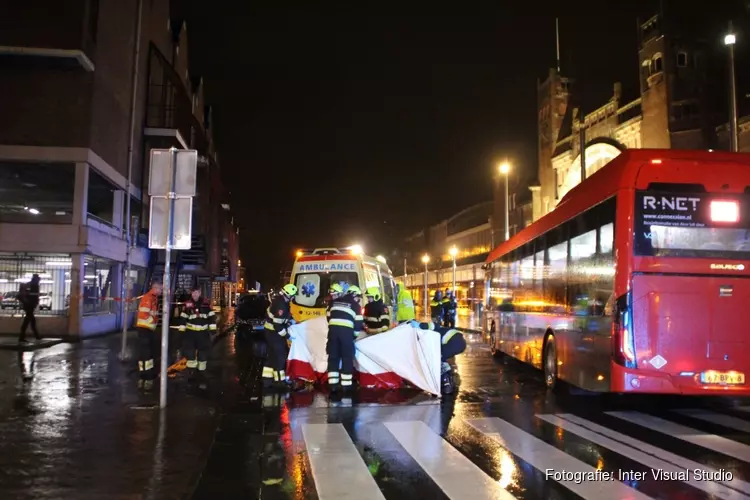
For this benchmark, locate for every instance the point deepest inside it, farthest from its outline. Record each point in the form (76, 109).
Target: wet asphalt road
(75, 425)
(495, 439)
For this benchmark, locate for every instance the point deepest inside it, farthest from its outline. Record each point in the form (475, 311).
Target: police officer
(344, 323)
(279, 317)
(376, 315)
(436, 308)
(197, 322)
(449, 309)
(452, 343)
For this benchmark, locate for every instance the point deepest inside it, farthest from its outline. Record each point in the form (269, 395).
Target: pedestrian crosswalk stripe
(647, 455)
(547, 458)
(710, 441)
(717, 418)
(456, 475)
(337, 467)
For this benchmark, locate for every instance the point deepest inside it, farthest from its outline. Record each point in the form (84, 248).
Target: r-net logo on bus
(678, 203)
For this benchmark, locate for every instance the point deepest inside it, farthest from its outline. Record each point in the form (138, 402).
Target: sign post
(171, 187)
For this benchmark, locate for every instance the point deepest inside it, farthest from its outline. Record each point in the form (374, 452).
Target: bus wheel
(550, 363)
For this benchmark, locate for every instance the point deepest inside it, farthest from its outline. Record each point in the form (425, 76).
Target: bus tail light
(623, 341)
(725, 211)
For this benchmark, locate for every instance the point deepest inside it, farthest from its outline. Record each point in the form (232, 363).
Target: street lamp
(454, 252)
(505, 170)
(425, 260)
(729, 40)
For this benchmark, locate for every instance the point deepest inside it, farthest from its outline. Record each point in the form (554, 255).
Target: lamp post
(729, 40)
(505, 170)
(454, 252)
(425, 260)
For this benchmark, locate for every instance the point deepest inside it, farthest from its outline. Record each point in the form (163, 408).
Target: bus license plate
(722, 378)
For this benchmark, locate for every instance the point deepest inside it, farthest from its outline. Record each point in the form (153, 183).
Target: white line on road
(694, 436)
(339, 471)
(455, 474)
(650, 456)
(717, 418)
(544, 456)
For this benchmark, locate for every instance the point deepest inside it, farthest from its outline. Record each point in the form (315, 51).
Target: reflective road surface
(503, 436)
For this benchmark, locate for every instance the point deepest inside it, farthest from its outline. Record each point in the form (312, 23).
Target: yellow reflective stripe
(145, 309)
(269, 326)
(202, 366)
(183, 315)
(371, 318)
(197, 328)
(449, 335)
(385, 317)
(278, 320)
(341, 322)
(212, 313)
(358, 317)
(149, 364)
(343, 309)
(212, 326)
(346, 382)
(192, 363)
(268, 372)
(181, 328)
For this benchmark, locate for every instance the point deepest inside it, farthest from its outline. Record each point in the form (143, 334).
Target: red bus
(636, 281)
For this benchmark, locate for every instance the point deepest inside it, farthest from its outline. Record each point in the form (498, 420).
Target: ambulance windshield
(313, 287)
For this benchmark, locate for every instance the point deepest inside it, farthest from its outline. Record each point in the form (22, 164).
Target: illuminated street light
(729, 40)
(425, 260)
(454, 252)
(504, 169)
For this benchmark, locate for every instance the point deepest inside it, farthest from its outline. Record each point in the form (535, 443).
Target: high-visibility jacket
(376, 317)
(197, 316)
(449, 307)
(346, 313)
(278, 316)
(445, 333)
(148, 311)
(405, 307)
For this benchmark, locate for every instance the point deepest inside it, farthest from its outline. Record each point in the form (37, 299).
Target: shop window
(37, 193)
(54, 284)
(97, 285)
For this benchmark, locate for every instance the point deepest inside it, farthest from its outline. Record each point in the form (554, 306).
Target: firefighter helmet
(354, 290)
(373, 292)
(289, 290)
(336, 288)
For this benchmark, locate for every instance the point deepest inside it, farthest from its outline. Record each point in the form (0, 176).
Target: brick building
(66, 163)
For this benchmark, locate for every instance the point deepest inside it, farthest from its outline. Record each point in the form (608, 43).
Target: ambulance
(316, 270)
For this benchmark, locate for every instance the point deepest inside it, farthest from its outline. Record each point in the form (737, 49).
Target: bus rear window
(692, 225)
(313, 287)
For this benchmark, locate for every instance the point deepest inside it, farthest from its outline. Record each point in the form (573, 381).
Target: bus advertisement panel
(636, 282)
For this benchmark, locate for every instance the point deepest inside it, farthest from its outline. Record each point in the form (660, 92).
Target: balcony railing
(168, 104)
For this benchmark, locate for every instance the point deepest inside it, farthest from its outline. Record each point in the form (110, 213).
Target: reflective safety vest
(197, 316)
(376, 317)
(346, 313)
(148, 312)
(278, 316)
(445, 333)
(405, 308)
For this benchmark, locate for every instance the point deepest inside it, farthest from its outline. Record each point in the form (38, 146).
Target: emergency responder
(145, 325)
(344, 323)
(376, 317)
(404, 305)
(334, 293)
(450, 308)
(452, 343)
(197, 323)
(279, 318)
(436, 308)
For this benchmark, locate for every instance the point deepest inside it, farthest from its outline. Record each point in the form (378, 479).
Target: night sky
(340, 126)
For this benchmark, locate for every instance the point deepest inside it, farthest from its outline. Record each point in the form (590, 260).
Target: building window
(101, 198)
(54, 283)
(682, 59)
(98, 291)
(37, 193)
(657, 66)
(93, 19)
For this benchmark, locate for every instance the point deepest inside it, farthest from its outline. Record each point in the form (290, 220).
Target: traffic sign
(160, 175)
(158, 226)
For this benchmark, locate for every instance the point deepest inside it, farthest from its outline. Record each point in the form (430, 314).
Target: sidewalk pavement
(75, 424)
